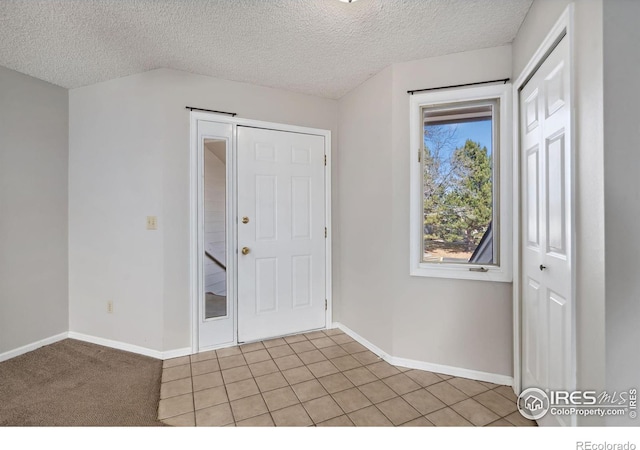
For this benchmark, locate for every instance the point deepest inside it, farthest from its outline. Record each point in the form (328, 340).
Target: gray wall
(129, 158)
(367, 301)
(589, 174)
(622, 195)
(458, 323)
(33, 210)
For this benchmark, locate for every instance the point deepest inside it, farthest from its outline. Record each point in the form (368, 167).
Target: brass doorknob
(245, 250)
(245, 219)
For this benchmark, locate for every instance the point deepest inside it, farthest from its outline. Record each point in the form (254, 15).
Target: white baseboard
(431, 367)
(375, 349)
(95, 340)
(33, 346)
(116, 344)
(453, 371)
(130, 347)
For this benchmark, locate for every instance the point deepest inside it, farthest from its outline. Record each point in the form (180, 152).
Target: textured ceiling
(320, 47)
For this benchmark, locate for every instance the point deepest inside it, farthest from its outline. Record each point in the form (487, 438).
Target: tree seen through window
(458, 185)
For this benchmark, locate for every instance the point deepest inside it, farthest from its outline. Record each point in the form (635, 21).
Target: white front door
(547, 306)
(281, 233)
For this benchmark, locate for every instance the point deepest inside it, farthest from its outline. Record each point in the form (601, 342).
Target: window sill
(461, 272)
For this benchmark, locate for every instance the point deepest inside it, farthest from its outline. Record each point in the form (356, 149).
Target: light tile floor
(322, 378)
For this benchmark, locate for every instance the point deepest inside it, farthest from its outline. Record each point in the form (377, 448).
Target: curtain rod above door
(191, 108)
(504, 80)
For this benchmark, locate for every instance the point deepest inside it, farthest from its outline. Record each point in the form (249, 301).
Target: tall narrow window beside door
(458, 204)
(215, 235)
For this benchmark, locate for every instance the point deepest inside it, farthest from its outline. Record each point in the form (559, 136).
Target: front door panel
(281, 237)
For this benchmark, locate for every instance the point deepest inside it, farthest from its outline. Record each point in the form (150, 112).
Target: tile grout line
(375, 404)
(288, 384)
(341, 372)
(332, 396)
(226, 391)
(174, 396)
(193, 394)
(266, 406)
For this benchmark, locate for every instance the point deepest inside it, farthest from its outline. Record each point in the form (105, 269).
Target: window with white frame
(461, 183)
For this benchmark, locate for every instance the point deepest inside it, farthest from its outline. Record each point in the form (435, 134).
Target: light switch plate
(152, 222)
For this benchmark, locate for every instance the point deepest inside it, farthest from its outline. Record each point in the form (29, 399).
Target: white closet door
(547, 227)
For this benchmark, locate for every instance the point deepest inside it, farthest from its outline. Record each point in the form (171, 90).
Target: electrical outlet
(110, 307)
(152, 223)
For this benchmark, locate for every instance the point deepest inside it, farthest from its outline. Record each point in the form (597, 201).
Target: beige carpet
(73, 383)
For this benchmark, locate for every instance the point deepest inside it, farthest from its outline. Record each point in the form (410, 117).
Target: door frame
(563, 27)
(196, 166)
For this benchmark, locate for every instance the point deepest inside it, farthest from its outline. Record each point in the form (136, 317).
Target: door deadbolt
(245, 219)
(542, 267)
(245, 250)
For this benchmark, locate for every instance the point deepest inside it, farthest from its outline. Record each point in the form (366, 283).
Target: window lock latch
(478, 269)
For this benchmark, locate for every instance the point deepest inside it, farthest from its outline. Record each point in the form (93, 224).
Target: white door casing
(546, 228)
(223, 332)
(281, 192)
(218, 331)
